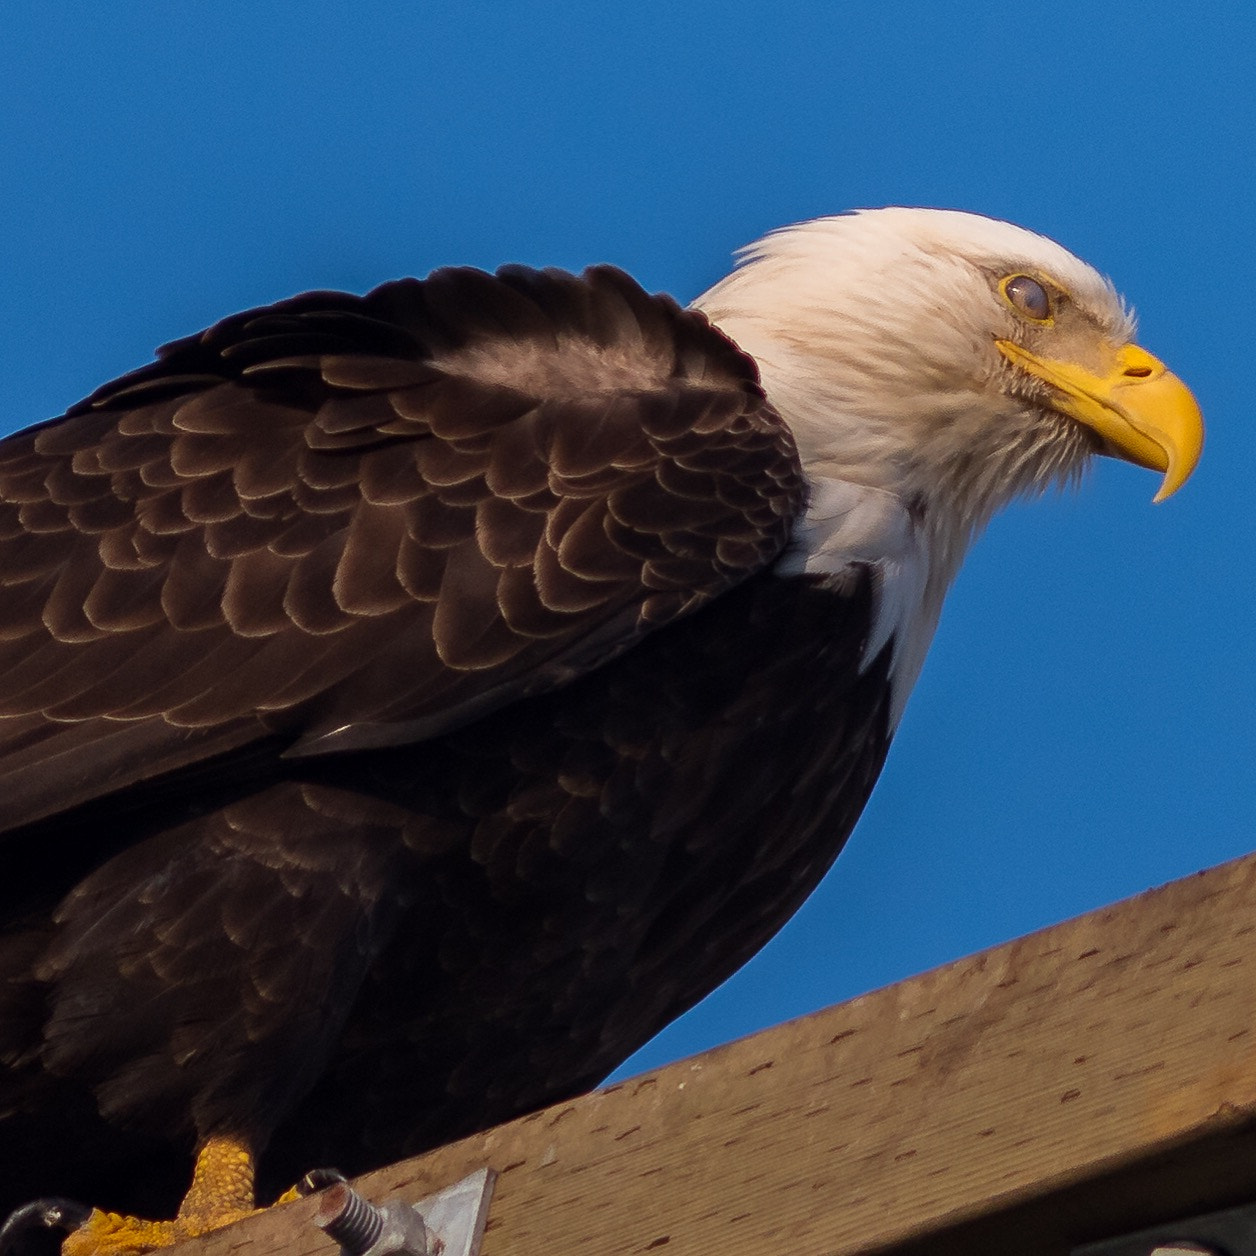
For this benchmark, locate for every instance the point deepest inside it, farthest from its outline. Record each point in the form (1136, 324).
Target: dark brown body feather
(399, 722)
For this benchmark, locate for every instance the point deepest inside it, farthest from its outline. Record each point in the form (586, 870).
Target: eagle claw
(314, 1181)
(38, 1228)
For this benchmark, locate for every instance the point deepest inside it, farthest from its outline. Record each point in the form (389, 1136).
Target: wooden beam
(1090, 1079)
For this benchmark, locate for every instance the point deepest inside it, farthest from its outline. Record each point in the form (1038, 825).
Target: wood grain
(1086, 1080)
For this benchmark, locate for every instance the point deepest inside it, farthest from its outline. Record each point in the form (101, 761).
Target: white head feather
(875, 336)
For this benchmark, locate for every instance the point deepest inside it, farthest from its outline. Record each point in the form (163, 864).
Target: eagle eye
(1027, 296)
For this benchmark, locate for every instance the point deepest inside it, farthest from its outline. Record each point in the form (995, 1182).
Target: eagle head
(953, 360)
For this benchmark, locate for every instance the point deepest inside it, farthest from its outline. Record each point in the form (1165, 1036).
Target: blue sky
(1084, 727)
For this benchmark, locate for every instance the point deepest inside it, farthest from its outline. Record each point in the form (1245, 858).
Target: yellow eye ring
(1028, 297)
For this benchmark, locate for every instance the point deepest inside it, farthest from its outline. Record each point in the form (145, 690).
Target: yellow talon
(221, 1192)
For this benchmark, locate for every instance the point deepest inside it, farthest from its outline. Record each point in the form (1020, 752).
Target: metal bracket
(1231, 1232)
(449, 1223)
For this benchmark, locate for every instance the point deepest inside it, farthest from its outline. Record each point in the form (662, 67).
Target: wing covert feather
(354, 521)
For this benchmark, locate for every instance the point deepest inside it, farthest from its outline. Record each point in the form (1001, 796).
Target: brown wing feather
(356, 521)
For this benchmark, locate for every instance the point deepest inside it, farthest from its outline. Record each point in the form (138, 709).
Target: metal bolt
(361, 1228)
(355, 1223)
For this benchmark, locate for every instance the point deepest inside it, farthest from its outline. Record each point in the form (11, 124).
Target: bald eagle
(410, 703)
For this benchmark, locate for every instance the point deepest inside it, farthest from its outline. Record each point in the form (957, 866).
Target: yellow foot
(110, 1234)
(221, 1192)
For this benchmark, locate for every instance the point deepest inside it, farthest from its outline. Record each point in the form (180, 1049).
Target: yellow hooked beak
(1139, 409)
